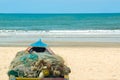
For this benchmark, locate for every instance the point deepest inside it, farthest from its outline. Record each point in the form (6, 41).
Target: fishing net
(35, 64)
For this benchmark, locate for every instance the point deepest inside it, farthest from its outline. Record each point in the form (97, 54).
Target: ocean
(22, 29)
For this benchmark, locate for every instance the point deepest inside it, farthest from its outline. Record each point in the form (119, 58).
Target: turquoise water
(23, 29)
(59, 22)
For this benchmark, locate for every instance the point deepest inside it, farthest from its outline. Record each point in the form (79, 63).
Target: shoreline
(66, 44)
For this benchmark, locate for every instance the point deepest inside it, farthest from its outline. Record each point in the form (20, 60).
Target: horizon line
(67, 13)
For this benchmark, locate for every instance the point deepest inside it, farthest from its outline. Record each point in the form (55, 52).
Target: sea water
(24, 28)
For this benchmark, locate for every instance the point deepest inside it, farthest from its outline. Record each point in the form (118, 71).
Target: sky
(59, 6)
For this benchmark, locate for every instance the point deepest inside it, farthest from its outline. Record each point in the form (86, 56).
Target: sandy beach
(86, 62)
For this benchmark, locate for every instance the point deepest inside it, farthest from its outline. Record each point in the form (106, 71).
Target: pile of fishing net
(38, 65)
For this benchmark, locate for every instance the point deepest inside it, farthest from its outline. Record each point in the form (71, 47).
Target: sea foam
(60, 33)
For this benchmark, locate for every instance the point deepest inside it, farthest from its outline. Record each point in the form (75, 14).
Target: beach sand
(86, 62)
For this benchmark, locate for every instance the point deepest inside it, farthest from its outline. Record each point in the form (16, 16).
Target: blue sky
(59, 6)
